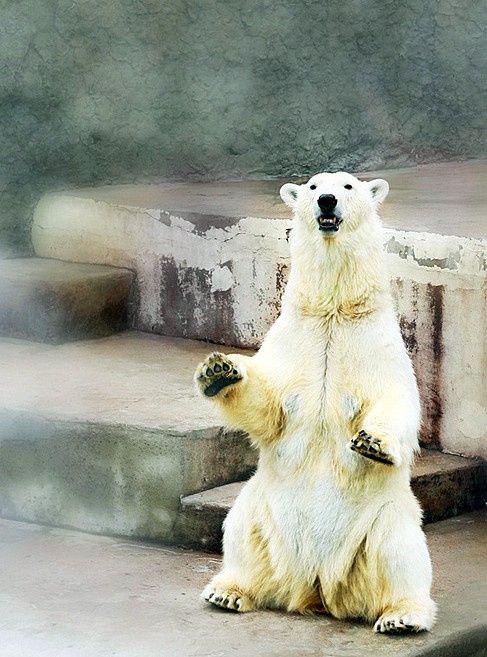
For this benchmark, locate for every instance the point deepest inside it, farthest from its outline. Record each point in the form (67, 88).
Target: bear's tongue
(328, 223)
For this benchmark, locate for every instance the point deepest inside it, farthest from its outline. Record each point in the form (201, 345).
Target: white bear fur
(320, 527)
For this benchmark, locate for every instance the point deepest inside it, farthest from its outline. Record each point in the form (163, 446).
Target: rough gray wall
(96, 92)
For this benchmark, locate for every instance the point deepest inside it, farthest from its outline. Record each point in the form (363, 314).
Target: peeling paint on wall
(196, 309)
(221, 279)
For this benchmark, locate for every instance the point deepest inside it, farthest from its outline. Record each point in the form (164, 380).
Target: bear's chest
(313, 357)
(323, 392)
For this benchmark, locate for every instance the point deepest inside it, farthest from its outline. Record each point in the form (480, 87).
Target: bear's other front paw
(371, 448)
(216, 373)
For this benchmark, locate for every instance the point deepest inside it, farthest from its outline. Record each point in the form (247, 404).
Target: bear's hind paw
(227, 599)
(216, 373)
(370, 447)
(397, 623)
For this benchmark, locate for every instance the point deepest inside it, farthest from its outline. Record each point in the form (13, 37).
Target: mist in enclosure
(131, 90)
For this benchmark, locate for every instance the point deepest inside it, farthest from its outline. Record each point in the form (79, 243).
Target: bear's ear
(289, 194)
(379, 189)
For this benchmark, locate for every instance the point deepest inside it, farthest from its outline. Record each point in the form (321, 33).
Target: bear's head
(333, 203)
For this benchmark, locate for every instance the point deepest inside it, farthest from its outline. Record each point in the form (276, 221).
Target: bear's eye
(348, 186)
(312, 186)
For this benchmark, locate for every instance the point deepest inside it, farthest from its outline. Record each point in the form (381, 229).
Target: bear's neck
(337, 277)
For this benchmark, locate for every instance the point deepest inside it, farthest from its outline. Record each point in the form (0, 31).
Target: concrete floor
(448, 198)
(67, 594)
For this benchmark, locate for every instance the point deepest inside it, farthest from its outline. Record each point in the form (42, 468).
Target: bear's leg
(400, 568)
(250, 578)
(239, 386)
(239, 584)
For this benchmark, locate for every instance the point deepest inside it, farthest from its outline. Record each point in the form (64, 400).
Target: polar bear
(328, 523)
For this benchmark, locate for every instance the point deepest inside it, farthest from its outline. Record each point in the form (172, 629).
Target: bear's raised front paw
(215, 373)
(371, 448)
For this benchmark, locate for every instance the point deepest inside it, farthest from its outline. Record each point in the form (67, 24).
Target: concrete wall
(96, 92)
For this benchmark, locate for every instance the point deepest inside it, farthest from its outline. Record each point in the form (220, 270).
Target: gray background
(95, 92)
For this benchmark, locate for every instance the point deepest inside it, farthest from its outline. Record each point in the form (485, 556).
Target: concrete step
(66, 594)
(107, 435)
(446, 486)
(53, 301)
(212, 259)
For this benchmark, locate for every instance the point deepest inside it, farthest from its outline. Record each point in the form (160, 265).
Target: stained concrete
(200, 275)
(106, 435)
(66, 594)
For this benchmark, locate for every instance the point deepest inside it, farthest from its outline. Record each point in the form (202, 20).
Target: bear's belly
(309, 526)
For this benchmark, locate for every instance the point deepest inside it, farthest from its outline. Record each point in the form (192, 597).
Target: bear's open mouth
(329, 224)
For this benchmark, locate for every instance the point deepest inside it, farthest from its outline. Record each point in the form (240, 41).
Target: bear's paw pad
(371, 448)
(397, 623)
(217, 372)
(227, 599)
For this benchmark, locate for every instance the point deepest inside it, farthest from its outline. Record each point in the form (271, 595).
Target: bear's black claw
(370, 447)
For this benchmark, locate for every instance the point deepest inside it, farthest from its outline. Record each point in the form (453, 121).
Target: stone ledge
(212, 258)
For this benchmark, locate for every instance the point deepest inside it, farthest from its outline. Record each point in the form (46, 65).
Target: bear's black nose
(327, 201)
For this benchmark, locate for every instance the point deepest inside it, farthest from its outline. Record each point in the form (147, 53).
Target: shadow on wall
(93, 93)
